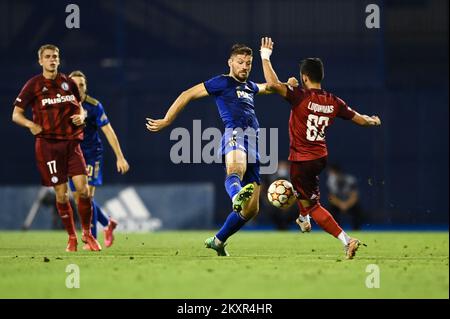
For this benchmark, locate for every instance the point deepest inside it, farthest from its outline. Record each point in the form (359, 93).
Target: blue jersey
(234, 100)
(92, 145)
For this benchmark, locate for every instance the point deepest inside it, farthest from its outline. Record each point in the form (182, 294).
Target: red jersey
(312, 112)
(53, 102)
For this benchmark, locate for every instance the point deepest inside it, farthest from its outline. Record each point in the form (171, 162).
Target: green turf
(262, 265)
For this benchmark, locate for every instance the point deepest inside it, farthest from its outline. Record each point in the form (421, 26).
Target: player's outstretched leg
(351, 248)
(219, 247)
(232, 224)
(324, 219)
(233, 185)
(242, 197)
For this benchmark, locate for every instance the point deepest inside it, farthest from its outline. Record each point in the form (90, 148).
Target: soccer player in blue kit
(234, 95)
(92, 148)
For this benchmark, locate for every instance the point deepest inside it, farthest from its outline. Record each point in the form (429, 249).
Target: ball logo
(54, 179)
(65, 86)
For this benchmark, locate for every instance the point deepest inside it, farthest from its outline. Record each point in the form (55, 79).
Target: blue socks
(101, 217)
(233, 185)
(234, 222)
(94, 220)
(97, 216)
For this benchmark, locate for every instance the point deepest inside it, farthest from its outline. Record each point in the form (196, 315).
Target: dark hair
(240, 49)
(313, 68)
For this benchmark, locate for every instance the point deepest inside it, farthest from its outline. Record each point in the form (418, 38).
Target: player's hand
(78, 119)
(156, 125)
(293, 82)
(376, 120)
(266, 48)
(122, 166)
(36, 129)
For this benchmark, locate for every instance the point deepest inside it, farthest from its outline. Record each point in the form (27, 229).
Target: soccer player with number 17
(58, 129)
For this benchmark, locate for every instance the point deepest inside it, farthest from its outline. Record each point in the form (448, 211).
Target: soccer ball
(281, 194)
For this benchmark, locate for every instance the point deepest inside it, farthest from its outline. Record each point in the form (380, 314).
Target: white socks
(303, 218)
(343, 237)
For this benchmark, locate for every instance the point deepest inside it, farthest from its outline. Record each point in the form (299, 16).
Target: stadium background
(139, 55)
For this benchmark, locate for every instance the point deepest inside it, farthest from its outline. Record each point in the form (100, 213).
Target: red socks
(85, 212)
(66, 213)
(324, 219)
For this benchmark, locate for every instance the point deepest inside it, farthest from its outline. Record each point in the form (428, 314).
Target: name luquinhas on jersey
(320, 108)
(58, 99)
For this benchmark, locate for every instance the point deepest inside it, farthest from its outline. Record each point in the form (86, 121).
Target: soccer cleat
(108, 232)
(72, 244)
(220, 249)
(242, 197)
(91, 242)
(305, 226)
(351, 248)
(86, 247)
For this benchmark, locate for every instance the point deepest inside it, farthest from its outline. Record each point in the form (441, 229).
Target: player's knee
(62, 197)
(83, 192)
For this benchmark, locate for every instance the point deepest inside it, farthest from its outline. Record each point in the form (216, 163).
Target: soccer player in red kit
(58, 129)
(313, 110)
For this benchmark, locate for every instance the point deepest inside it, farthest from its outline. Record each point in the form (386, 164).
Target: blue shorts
(246, 141)
(94, 168)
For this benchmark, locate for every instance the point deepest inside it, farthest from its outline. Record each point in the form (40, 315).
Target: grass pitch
(286, 265)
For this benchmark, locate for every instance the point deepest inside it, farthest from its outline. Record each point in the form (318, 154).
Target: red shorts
(305, 178)
(59, 159)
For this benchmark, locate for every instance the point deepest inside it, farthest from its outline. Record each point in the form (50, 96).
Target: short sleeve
(345, 112)
(216, 85)
(25, 96)
(101, 119)
(294, 95)
(254, 87)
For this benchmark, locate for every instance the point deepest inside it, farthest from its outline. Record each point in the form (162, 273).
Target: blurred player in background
(343, 196)
(58, 129)
(234, 95)
(313, 110)
(92, 148)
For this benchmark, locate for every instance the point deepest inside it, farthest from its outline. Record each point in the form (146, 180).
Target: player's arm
(121, 162)
(351, 201)
(263, 88)
(196, 92)
(78, 119)
(19, 118)
(365, 120)
(273, 84)
(335, 201)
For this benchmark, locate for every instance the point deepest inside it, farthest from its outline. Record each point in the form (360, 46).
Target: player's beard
(241, 78)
